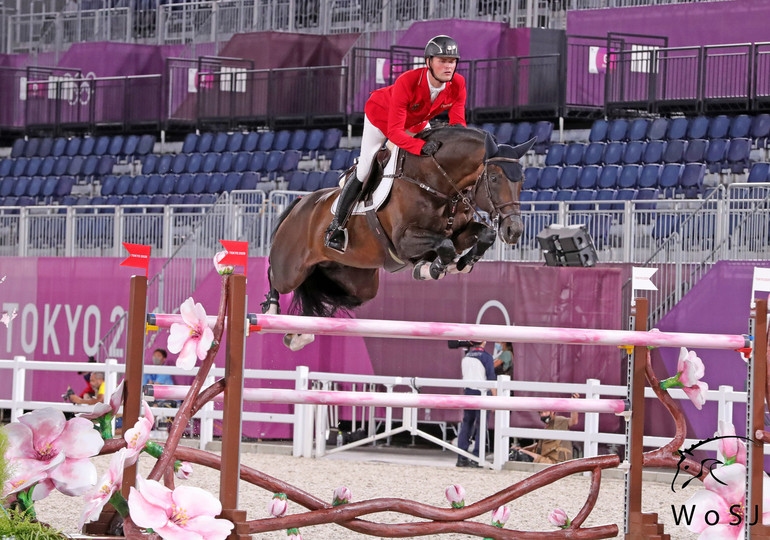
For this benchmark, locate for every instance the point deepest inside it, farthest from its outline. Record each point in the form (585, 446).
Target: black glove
(430, 148)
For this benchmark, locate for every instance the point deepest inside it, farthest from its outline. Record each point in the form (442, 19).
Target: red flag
(138, 256)
(237, 253)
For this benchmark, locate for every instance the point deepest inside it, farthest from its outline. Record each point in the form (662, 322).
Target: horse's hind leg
(271, 305)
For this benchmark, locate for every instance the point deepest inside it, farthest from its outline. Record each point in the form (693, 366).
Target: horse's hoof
(287, 340)
(421, 271)
(300, 341)
(437, 270)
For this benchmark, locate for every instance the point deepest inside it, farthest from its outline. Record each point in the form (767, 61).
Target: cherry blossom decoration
(193, 338)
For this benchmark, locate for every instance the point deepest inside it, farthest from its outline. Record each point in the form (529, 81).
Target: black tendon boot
(336, 234)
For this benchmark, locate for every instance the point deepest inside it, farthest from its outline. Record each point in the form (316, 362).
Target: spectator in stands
(158, 358)
(504, 358)
(477, 365)
(93, 394)
(548, 450)
(397, 113)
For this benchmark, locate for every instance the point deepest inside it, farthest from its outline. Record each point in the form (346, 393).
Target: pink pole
(483, 332)
(396, 399)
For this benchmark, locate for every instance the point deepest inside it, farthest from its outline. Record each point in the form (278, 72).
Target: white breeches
(371, 141)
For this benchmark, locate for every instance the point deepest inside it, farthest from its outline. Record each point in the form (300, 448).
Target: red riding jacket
(405, 105)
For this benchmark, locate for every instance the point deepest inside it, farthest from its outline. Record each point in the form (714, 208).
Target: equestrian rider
(397, 113)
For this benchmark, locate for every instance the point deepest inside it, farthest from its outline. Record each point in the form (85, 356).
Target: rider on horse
(397, 113)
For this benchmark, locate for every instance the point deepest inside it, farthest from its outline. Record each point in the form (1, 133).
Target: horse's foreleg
(486, 238)
(271, 305)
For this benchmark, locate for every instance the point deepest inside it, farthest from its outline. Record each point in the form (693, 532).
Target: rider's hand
(430, 148)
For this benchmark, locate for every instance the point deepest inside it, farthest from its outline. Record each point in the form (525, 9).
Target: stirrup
(332, 241)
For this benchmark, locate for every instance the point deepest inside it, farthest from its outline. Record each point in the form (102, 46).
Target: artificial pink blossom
(184, 471)
(294, 535)
(100, 409)
(8, 317)
(193, 338)
(222, 268)
(187, 513)
(731, 448)
(559, 518)
(724, 497)
(342, 495)
(278, 505)
(105, 488)
(501, 516)
(137, 436)
(689, 367)
(455, 494)
(43, 445)
(697, 394)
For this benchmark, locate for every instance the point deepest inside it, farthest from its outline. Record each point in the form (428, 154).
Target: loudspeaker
(567, 246)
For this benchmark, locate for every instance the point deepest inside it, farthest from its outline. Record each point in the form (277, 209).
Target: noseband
(497, 209)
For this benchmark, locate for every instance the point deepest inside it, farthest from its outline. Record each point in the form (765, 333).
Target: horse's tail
(283, 216)
(319, 296)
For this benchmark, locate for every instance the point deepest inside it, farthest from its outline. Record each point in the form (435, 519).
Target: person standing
(504, 358)
(477, 365)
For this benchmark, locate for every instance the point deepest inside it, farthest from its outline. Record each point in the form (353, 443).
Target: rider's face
(442, 69)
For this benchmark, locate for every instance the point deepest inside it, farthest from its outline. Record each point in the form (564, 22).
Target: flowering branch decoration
(278, 505)
(222, 269)
(193, 339)
(342, 495)
(104, 413)
(690, 370)
(455, 494)
(730, 448)
(107, 490)
(559, 518)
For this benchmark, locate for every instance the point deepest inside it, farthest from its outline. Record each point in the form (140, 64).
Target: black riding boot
(336, 234)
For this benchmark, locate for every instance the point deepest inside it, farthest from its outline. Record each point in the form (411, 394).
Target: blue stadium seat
(696, 150)
(719, 127)
(25, 201)
(608, 179)
(241, 161)
(35, 184)
(130, 145)
(313, 181)
(153, 184)
(629, 176)
(64, 186)
(740, 127)
(116, 145)
(199, 183)
(330, 180)
(144, 200)
(20, 166)
(75, 167)
(123, 185)
(332, 137)
(178, 163)
(266, 141)
(22, 183)
(6, 166)
(91, 165)
(568, 178)
(314, 139)
(677, 128)
(674, 152)
(145, 145)
(204, 142)
(653, 152)
(692, 175)
(623, 195)
(17, 150)
(354, 155)
(504, 133)
(46, 145)
(105, 165)
(102, 146)
(138, 185)
(555, 155)
(225, 163)
(281, 140)
(698, 128)
(33, 166)
(208, 199)
(174, 199)
(593, 153)
(257, 161)
(62, 164)
(565, 195)
(759, 172)
(30, 149)
(59, 146)
(235, 142)
(216, 182)
(633, 153)
(297, 141)
(158, 200)
(637, 131)
(669, 176)
(574, 154)
(648, 194)
(598, 131)
(190, 143)
(290, 160)
(7, 186)
(249, 181)
(183, 184)
(716, 153)
(339, 159)
(584, 195)
(523, 133)
(250, 141)
(209, 162)
(297, 180)
(190, 200)
(589, 176)
(68, 200)
(543, 132)
(46, 167)
(617, 129)
(737, 154)
(525, 197)
(489, 127)
(546, 195)
(273, 161)
(613, 153)
(194, 163)
(760, 126)
(649, 176)
(531, 175)
(167, 184)
(219, 144)
(49, 186)
(549, 177)
(164, 164)
(657, 130)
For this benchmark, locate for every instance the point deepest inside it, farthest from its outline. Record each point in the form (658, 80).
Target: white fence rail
(311, 424)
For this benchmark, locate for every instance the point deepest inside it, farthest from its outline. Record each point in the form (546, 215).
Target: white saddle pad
(381, 191)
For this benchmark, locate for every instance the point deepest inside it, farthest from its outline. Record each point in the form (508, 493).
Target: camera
(66, 395)
(456, 344)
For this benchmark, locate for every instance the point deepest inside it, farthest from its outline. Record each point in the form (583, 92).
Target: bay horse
(430, 221)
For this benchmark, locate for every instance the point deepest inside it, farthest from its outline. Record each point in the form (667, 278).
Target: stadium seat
(33, 189)
(137, 185)
(698, 128)
(64, 186)
(339, 159)
(737, 154)
(158, 200)
(225, 162)
(629, 176)
(354, 155)
(696, 150)
(17, 150)
(59, 146)
(574, 154)
(175, 199)
(565, 195)
(241, 161)
(740, 127)
(314, 139)
(6, 166)
(649, 176)
(122, 186)
(669, 176)
(692, 175)
(102, 146)
(617, 129)
(313, 181)
(266, 141)
(677, 128)
(75, 168)
(207, 199)
(719, 127)
(7, 186)
(232, 182)
(19, 166)
(653, 152)
(249, 181)
(62, 164)
(549, 178)
(489, 127)
(216, 182)
(621, 196)
(632, 155)
(593, 153)
(105, 165)
(716, 153)
(531, 175)
(235, 142)
(598, 131)
(193, 163)
(608, 179)
(167, 184)
(46, 145)
(219, 144)
(204, 142)
(250, 141)
(760, 126)
(297, 180)
(525, 197)
(331, 140)
(637, 131)
(543, 132)
(613, 153)
(331, 179)
(297, 141)
(183, 184)
(504, 133)
(199, 183)
(190, 143)
(33, 166)
(290, 161)
(523, 133)
(281, 140)
(759, 172)
(91, 166)
(30, 149)
(568, 178)
(273, 161)
(116, 145)
(49, 187)
(646, 195)
(546, 195)
(178, 163)
(555, 155)
(584, 195)
(152, 187)
(657, 130)
(209, 162)
(46, 167)
(130, 145)
(22, 183)
(145, 145)
(674, 151)
(257, 161)
(588, 178)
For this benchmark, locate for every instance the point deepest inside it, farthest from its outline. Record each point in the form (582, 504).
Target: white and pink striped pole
(294, 324)
(396, 399)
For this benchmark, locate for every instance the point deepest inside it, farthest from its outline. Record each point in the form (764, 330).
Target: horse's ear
(523, 148)
(490, 146)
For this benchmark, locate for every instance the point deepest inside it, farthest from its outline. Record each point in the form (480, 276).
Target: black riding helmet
(443, 46)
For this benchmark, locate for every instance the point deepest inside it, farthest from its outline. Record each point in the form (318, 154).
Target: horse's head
(497, 191)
